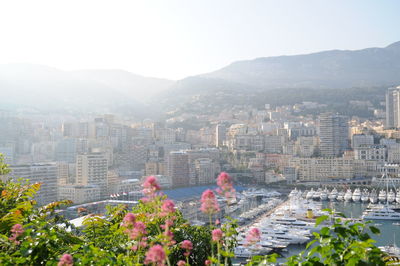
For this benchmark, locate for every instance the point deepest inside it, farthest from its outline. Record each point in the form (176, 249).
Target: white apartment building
(43, 173)
(371, 153)
(320, 169)
(206, 170)
(91, 169)
(79, 194)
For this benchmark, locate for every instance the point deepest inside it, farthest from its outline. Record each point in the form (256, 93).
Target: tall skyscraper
(220, 135)
(393, 107)
(178, 168)
(333, 134)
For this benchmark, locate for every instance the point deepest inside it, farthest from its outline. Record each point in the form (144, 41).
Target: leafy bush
(154, 232)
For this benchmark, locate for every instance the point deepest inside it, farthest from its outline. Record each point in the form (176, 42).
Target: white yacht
(365, 196)
(356, 195)
(373, 197)
(272, 243)
(333, 195)
(398, 195)
(391, 196)
(244, 252)
(310, 194)
(391, 250)
(293, 193)
(324, 194)
(348, 195)
(382, 196)
(291, 222)
(340, 196)
(317, 194)
(380, 212)
(284, 236)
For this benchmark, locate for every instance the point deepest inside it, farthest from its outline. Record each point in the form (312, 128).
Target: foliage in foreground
(155, 233)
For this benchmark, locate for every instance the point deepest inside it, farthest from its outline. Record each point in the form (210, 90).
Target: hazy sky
(173, 39)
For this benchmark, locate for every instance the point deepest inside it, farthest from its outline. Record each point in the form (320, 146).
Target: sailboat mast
(387, 188)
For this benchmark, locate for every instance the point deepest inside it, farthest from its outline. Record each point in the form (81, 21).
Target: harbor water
(389, 232)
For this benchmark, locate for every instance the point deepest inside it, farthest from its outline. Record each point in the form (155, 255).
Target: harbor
(287, 228)
(289, 224)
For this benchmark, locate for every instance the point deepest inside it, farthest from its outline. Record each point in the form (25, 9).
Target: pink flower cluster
(66, 260)
(217, 235)
(167, 208)
(181, 263)
(169, 237)
(16, 231)
(156, 256)
(136, 230)
(209, 204)
(224, 181)
(129, 220)
(150, 187)
(253, 236)
(188, 246)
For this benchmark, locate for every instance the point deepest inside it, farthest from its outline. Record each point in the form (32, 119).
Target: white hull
(373, 199)
(381, 213)
(356, 198)
(324, 196)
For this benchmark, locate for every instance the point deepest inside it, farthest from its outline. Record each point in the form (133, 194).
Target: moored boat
(365, 196)
(333, 195)
(348, 195)
(391, 196)
(356, 195)
(373, 197)
(382, 196)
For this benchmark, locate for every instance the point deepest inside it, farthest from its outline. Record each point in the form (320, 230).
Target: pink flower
(207, 262)
(168, 207)
(129, 219)
(155, 255)
(253, 236)
(66, 260)
(217, 222)
(181, 263)
(187, 244)
(169, 236)
(217, 235)
(138, 231)
(17, 230)
(150, 186)
(209, 204)
(141, 244)
(224, 181)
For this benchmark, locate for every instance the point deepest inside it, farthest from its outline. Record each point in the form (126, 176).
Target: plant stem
(212, 246)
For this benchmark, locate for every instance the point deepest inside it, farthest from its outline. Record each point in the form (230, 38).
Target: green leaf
(320, 219)
(374, 230)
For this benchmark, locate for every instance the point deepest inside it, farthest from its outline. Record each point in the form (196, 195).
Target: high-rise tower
(333, 134)
(393, 107)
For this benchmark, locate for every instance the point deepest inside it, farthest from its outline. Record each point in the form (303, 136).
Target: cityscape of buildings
(95, 158)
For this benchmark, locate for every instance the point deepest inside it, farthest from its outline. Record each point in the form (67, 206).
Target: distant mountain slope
(329, 69)
(131, 85)
(44, 87)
